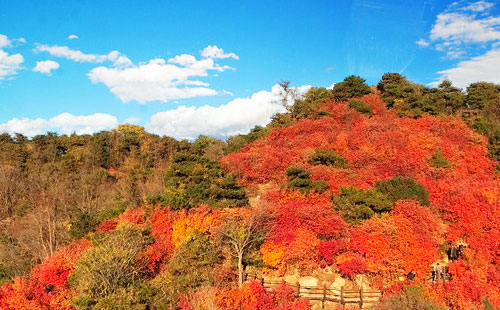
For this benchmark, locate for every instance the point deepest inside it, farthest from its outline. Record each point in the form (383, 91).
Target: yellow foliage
(199, 220)
(272, 254)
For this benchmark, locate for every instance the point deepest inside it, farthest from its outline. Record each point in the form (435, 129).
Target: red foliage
(350, 264)
(464, 196)
(132, 216)
(48, 286)
(161, 222)
(107, 225)
(253, 296)
(302, 223)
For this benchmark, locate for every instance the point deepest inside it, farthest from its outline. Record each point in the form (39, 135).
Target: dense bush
(438, 160)
(327, 158)
(111, 264)
(412, 297)
(403, 188)
(361, 106)
(358, 204)
(300, 179)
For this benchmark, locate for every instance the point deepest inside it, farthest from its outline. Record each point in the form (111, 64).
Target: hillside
(364, 190)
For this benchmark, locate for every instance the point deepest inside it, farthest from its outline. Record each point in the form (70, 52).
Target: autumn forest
(370, 185)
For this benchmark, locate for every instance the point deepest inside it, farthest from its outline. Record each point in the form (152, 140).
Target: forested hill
(364, 182)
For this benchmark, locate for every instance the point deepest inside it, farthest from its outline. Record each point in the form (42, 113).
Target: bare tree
(287, 94)
(242, 232)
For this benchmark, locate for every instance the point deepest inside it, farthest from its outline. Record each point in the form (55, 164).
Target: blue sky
(190, 67)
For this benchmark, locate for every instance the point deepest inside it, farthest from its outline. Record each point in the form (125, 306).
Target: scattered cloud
(469, 32)
(479, 6)
(479, 68)
(461, 26)
(9, 64)
(422, 43)
(64, 123)
(118, 59)
(72, 37)
(212, 51)
(45, 66)
(235, 117)
(160, 79)
(4, 41)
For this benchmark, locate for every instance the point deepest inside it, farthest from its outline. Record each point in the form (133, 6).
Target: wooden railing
(324, 294)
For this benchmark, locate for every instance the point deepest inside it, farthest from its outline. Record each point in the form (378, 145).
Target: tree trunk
(240, 269)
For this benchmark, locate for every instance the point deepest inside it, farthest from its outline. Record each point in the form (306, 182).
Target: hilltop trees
(352, 86)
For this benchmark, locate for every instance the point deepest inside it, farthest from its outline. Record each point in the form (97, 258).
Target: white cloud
(9, 64)
(479, 6)
(422, 43)
(78, 56)
(72, 37)
(459, 27)
(480, 68)
(212, 51)
(236, 117)
(159, 80)
(4, 41)
(156, 80)
(64, 123)
(470, 33)
(45, 66)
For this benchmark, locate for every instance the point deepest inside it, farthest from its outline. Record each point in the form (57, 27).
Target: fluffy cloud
(45, 66)
(480, 68)
(72, 37)
(9, 64)
(64, 123)
(469, 33)
(460, 26)
(236, 117)
(212, 51)
(464, 27)
(156, 80)
(78, 56)
(159, 80)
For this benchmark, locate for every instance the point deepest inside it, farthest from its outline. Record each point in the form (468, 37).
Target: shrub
(412, 297)
(403, 188)
(110, 264)
(327, 158)
(300, 179)
(438, 160)
(357, 204)
(361, 106)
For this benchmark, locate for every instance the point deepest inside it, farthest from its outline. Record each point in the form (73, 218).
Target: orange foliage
(464, 195)
(253, 296)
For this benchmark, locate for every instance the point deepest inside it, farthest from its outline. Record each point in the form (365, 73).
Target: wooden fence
(324, 294)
